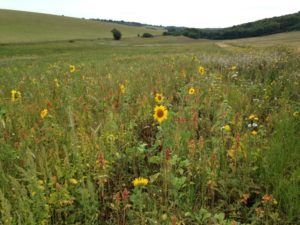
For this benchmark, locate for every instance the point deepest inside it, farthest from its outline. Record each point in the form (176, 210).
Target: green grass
(76, 165)
(18, 26)
(288, 39)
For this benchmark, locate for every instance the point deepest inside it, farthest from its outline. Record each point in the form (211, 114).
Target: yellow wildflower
(231, 153)
(73, 181)
(160, 113)
(15, 95)
(44, 113)
(72, 68)
(253, 117)
(296, 114)
(159, 98)
(254, 133)
(140, 181)
(227, 128)
(201, 70)
(191, 91)
(56, 83)
(122, 88)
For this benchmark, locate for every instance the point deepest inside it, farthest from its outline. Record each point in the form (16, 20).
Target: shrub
(116, 34)
(147, 35)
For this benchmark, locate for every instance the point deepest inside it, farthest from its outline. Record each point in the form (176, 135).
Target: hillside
(258, 28)
(18, 26)
(287, 39)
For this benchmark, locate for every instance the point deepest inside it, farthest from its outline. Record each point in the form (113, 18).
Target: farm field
(165, 130)
(26, 27)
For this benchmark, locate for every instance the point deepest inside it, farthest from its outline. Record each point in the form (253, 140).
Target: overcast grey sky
(190, 13)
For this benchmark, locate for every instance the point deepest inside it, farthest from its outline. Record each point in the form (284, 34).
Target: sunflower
(122, 88)
(191, 91)
(227, 128)
(15, 95)
(254, 133)
(72, 68)
(296, 114)
(159, 98)
(160, 113)
(253, 117)
(201, 70)
(140, 181)
(44, 113)
(56, 83)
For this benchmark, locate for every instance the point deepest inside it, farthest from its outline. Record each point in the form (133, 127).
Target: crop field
(165, 130)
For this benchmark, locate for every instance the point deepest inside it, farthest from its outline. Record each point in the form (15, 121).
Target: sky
(188, 13)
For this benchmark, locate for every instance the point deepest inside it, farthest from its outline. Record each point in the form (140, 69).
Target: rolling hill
(19, 26)
(280, 24)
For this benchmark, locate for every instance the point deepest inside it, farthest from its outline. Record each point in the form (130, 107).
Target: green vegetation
(164, 130)
(77, 130)
(147, 35)
(263, 27)
(17, 26)
(116, 34)
(135, 24)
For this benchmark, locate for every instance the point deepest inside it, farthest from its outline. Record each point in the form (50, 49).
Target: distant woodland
(263, 27)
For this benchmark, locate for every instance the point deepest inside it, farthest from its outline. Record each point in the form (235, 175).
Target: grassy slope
(17, 26)
(289, 39)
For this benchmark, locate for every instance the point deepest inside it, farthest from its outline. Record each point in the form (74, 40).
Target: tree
(116, 33)
(147, 35)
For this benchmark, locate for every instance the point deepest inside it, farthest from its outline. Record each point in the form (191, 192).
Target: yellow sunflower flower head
(122, 88)
(15, 95)
(72, 68)
(160, 113)
(159, 98)
(201, 70)
(44, 113)
(253, 117)
(254, 133)
(56, 83)
(296, 114)
(191, 91)
(227, 128)
(140, 182)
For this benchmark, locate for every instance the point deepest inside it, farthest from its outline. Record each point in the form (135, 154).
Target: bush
(117, 34)
(147, 35)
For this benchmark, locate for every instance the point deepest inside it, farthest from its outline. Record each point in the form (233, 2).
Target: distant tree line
(273, 25)
(134, 24)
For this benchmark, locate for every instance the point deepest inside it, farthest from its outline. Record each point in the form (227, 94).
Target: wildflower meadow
(175, 132)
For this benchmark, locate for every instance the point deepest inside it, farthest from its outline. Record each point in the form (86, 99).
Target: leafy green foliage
(147, 35)
(253, 29)
(226, 154)
(116, 34)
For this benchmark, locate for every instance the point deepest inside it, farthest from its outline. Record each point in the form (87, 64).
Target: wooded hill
(263, 27)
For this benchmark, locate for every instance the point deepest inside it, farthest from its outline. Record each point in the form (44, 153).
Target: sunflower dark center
(160, 113)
